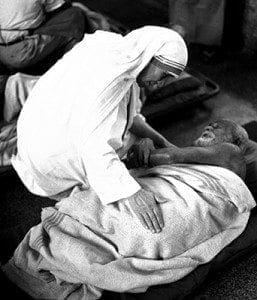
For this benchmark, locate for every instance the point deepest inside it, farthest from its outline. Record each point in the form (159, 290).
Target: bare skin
(225, 155)
(145, 207)
(218, 145)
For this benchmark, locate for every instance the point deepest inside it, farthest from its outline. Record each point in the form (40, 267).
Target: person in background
(82, 116)
(34, 34)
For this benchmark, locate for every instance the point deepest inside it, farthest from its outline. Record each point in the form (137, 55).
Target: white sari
(65, 129)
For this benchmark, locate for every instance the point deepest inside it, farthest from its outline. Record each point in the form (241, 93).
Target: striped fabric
(172, 56)
(172, 67)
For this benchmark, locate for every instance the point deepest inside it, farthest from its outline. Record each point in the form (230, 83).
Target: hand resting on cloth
(145, 206)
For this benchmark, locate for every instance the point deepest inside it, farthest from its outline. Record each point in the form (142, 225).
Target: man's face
(216, 132)
(152, 78)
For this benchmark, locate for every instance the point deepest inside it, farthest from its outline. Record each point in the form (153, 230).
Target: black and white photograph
(128, 149)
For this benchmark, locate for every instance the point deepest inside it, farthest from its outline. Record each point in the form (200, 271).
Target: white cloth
(17, 16)
(17, 89)
(73, 122)
(171, 58)
(82, 246)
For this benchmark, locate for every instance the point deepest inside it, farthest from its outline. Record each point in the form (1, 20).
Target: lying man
(80, 241)
(222, 143)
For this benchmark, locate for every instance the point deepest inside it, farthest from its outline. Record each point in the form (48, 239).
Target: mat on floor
(191, 89)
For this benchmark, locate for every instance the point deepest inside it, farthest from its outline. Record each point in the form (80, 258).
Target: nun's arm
(143, 130)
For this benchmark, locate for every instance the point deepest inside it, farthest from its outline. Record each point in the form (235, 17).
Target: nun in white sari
(76, 124)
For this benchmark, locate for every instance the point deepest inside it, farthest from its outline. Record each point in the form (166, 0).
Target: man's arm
(224, 155)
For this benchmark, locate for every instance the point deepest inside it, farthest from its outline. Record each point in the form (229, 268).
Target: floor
(237, 100)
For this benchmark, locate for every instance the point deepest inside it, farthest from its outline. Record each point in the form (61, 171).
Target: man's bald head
(223, 130)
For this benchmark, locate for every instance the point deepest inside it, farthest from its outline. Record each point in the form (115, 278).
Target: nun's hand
(138, 154)
(147, 210)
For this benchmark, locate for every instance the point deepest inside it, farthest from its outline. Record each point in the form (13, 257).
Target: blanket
(82, 247)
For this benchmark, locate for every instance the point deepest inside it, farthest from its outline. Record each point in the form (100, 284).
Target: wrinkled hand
(147, 210)
(138, 154)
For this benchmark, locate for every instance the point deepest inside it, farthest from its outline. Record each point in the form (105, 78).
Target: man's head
(221, 131)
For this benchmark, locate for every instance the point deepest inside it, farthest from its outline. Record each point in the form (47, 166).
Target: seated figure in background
(36, 33)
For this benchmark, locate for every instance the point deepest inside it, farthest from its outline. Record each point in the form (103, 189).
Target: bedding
(190, 89)
(80, 242)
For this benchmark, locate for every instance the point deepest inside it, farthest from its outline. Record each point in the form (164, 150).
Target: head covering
(166, 48)
(172, 57)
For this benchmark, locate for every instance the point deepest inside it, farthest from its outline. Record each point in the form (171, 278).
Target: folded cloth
(18, 87)
(82, 247)
(8, 143)
(3, 79)
(15, 90)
